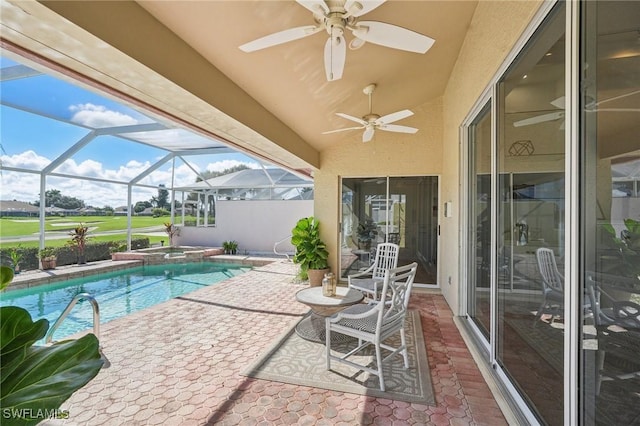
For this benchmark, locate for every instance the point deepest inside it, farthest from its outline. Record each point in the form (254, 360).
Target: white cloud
(26, 186)
(219, 166)
(26, 160)
(99, 116)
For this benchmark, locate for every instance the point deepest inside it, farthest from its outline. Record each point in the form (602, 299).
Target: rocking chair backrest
(386, 258)
(549, 269)
(396, 292)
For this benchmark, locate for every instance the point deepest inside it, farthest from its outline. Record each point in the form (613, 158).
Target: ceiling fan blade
(396, 128)
(352, 118)
(314, 6)
(390, 118)
(280, 37)
(615, 98)
(335, 54)
(368, 134)
(614, 110)
(359, 8)
(539, 119)
(558, 102)
(392, 36)
(342, 130)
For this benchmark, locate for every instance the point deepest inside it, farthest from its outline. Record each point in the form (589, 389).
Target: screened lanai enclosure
(63, 134)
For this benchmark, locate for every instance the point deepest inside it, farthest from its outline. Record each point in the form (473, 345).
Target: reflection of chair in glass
(552, 284)
(370, 280)
(617, 327)
(393, 237)
(374, 324)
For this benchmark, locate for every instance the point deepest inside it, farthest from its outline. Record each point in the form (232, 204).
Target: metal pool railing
(275, 247)
(65, 313)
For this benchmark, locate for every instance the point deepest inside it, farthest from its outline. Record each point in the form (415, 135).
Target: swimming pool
(118, 293)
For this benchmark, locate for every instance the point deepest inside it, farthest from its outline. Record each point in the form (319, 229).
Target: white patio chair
(552, 284)
(617, 328)
(370, 280)
(374, 324)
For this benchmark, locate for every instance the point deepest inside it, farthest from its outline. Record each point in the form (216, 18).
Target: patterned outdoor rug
(300, 362)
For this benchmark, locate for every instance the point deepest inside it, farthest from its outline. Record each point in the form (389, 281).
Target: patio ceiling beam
(95, 179)
(264, 169)
(152, 168)
(17, 72)
(134, 128)
(195, 171)
(243, 121)
(205, 151)
(42, 114)
(19, 169)
(69, 152)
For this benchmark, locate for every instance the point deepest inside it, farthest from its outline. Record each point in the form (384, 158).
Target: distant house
(88, 211)
(120, 211)
(58, 211)
(146, 212)
(18, 209)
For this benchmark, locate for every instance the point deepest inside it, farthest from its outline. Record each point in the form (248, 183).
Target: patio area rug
(300, 362)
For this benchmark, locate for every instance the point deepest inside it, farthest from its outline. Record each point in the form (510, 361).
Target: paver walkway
(179, 363)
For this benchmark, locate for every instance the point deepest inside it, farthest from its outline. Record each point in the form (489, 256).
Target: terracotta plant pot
(316, 275)
(48, 263)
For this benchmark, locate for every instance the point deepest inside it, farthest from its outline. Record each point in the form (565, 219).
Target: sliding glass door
(610, 213)
(479, 242)
(530, 155)
(401, 210)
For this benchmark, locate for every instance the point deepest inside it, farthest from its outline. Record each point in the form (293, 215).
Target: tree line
(54, 198)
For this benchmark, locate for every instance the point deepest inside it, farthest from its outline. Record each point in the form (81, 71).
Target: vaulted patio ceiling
(182, 60)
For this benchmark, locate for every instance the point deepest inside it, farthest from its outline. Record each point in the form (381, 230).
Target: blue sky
(30, 141)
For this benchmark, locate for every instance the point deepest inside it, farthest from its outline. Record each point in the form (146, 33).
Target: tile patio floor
(179, 363)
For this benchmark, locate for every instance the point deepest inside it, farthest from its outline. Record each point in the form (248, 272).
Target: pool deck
(179, 363)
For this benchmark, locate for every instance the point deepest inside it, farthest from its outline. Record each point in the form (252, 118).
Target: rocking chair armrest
(366, 272)
(367, 311)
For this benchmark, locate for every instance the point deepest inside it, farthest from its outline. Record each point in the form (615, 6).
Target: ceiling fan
(591, 106)
(337, 16)
(371, 121)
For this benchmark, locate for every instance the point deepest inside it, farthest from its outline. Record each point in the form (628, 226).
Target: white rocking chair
(373, 324)
(370, 280)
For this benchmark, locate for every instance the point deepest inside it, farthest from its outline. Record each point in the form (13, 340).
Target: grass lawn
(11, 227)
(15, 227)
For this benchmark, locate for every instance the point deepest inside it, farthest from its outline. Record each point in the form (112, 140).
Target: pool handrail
(275, 246)
(63, 316)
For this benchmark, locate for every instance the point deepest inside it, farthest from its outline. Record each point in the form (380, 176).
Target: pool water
(118, 293)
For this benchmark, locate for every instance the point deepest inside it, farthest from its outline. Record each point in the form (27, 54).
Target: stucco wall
(434, 149)
(388, 154)
(495, 28)
(255, 225)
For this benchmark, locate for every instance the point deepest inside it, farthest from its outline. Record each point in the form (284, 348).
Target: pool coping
(35, 278)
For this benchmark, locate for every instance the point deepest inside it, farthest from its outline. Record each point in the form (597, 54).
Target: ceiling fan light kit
(372, 122)
(337, 16)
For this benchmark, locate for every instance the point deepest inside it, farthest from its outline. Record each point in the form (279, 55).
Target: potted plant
(15, 254)
(311, 251)
(230, 247)
(367, 231)
(38, 379)
(79, 237)
(623, 252)
(48, 257)
(171, 231)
